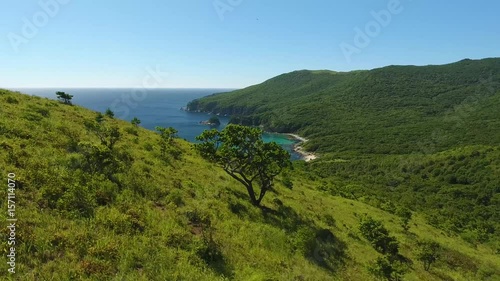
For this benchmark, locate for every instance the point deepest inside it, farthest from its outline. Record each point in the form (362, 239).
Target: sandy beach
(308, 156)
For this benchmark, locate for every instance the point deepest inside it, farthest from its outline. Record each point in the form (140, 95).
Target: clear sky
(231, 43)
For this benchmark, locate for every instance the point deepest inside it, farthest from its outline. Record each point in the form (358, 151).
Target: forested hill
(390, 110)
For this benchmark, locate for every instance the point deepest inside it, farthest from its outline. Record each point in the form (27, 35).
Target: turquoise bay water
(158, 107)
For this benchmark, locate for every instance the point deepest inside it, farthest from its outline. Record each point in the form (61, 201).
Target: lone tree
(242, 153)
(64, 98)
(135, 121)
(167, 136)
(428, 253)
(109, 113)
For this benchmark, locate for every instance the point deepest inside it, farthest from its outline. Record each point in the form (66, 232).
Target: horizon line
(160, 88)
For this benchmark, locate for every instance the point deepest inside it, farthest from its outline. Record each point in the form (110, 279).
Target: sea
(154, 107)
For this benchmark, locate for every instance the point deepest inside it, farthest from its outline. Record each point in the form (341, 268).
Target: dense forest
(390, 110)
(99, 198)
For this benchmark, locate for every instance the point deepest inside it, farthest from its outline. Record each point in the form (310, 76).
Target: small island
(213, 122)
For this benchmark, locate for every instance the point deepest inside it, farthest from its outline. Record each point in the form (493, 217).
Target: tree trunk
(263, 191)
(251, 193)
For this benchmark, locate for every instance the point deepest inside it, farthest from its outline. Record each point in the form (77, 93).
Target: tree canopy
(242, 153)
(135, 121)
(64, 98)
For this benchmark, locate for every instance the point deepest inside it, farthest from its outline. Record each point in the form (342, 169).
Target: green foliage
(88, 212)
(287, 181)
(166, 142)
(77, 200)
(378, 236)
(64, 98)
(132, 131)
(135, 121)
(428, 252)
(389, 110)
(396, 137)
(99, 118)
(107, 134)
(419, 183)
(385, 269)
(240, 151)
(109, 113)
(405, 214)
(11, 99)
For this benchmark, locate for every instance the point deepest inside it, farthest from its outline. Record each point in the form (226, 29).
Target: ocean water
(154, 107)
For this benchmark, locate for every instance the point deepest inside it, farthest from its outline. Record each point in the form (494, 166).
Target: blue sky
(231, 43)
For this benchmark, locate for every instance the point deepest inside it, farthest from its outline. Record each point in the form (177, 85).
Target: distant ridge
(393, 109)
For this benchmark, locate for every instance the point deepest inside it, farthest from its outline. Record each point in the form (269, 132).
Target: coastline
(307, 156)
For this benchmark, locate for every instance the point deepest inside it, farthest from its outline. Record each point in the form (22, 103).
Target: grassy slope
(390, 110)
(147, 227)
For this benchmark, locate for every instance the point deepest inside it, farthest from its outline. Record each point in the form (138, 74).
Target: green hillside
(422, 138)
(390, 110)
(119, 209)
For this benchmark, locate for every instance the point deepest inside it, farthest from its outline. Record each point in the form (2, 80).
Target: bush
(385, 269)
(11, 100)
(379, 237)
(132, 131)
(77, 201)
(32, 116)
(148, 147)
(428, 253)
(405, 214)
(303, 241)
(176, 197)
(287, 182)
(105, 191)
(42, 111)
(109, 113)
(329, 251)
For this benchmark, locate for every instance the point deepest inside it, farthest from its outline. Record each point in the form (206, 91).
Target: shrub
(287, 182)
(428, 253)
(176, 197)
(32, 116)
(77, 201)
(149, 147)
(405, 214)
(109, 113)
(329, 251)
(303, 241)
(385, 269)
(135, 121)
(132, 131)
(11, 100)
(378, 236)
(42, 111)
